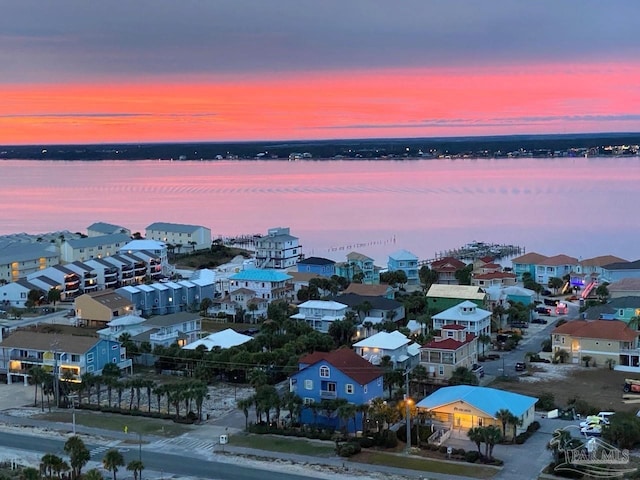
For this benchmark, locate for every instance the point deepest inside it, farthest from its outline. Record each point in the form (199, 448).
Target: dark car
(543, 310)
(541, 321)
(546, 293)
(519, 324)
(521, 366)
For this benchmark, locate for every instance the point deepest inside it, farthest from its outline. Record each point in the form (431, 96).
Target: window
(364, 389)
(348, 388)
(324, 371)
(114, 347)
(441, 370)
(308, 384)
(379, 381)
(308, 401)
(75, 358)
(89, 357)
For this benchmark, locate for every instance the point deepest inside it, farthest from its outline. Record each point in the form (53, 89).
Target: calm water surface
(581, 207)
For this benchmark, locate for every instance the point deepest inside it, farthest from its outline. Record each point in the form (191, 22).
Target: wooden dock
(474, 250)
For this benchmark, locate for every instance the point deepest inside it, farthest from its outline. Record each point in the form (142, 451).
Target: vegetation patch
(277, 444)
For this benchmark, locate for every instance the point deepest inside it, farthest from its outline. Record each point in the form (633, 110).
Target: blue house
(341, 374)
(71, 355)
(405, 261)
(320, 266)
(527, 264)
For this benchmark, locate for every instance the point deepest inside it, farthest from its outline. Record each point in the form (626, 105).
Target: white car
(593, 420)
(591, 430)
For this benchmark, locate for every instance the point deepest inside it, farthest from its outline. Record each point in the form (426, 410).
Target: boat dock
(474, 250)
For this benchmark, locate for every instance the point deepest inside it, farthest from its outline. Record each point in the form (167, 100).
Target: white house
(268, 284)
(319, 314)
(468, 314)
(225, 339)
(189, 237)
(402, 352)
(278, 249)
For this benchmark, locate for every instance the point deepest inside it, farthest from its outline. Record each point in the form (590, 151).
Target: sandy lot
(600, 387)
(16, 395)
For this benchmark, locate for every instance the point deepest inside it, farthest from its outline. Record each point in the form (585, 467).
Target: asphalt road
(154, 461)
(531, 342)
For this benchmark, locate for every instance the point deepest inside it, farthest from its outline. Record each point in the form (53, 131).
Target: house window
(561, 339)
(441, 370)
(308, 384)
(114, 347)
(75, 358)
(348, 388)
(90, 368)
(308, 401)
(364, 389)
(89, 357)
(324, 371)
(379, 381)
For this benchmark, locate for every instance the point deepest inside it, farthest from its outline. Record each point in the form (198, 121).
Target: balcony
(328, 394)
(127, 268)
(163, 337)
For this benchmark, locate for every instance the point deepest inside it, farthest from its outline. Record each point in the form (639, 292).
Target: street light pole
(407, 411)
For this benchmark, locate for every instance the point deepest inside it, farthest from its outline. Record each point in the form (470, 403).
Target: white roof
(126, 320)
(225, 339)
(413, 349)
(473, 313)
(323, 305)
(414, 326)
(456, 291)
(384, 340)
(143, 245)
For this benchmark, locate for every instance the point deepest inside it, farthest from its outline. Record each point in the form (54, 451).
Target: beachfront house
(320, 266)
(402, 352)
(268, 284)
(526, 264)
(278, 249)
(407, 262)
(466, 314)
(320, 314)
(617, 271)
(359, 266)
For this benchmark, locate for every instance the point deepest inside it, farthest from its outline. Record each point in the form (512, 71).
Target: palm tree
(490, 435)
(38, 376)
(516, 422)
(93, 474)
(484, 339)
(135, 466)
(347, 411)
(244, 405)
(48, 464)
(504, 416)
(78, 455)
(476, 436)
(112, 460)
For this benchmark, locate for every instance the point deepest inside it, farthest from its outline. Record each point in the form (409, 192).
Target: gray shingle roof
(101, 240)
(173, 227)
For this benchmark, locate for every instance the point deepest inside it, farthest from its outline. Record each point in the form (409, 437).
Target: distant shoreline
(516, 146)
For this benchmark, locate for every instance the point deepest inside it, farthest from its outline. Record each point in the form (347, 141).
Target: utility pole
(56, 385)
(407, 411)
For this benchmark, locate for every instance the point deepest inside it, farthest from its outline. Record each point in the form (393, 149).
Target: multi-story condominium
(320, 314)
(403, 353)
(277, 250)
(455, 347)
(21, 259)
(83, 249)
(67, 356)
(268, 284)
(88, 276)
(466, 314)
(320, 266)
(554, 267)
(179, 236)
(405, 261)
(66, 280)
(359, 266)
(99, 229)
(107, 274)
(125, 266)
(153, 253)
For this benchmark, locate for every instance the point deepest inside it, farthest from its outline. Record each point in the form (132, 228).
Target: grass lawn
(424, 464)
(109, 421)
(279, 444)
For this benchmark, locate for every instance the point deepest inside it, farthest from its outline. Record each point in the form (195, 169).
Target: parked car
(591, 430)
(521, 366)
(593, 420)
(493, 356)
(546, 293)
(541, 321)
(550, 302)
(543, 310)
(478, 370)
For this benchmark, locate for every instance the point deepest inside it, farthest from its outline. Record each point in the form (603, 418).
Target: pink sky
(351, 104)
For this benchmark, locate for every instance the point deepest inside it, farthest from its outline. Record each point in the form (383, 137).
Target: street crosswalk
(97, 451)
(183, 443)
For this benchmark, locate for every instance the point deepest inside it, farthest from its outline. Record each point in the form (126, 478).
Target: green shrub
(391, 439)
(443, 449)
(471, 456)
(459, 451)
(366, 442)
(546, 401)
(534, 426)
(348, 449)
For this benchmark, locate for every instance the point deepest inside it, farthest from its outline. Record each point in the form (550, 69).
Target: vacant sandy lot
(16, 395)
(600, 387)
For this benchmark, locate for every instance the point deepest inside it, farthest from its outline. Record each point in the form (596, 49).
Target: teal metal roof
(488, 400)
(258, 275)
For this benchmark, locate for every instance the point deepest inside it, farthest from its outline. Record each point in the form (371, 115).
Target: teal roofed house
(405, 261)
(462, 407)
(267, 284)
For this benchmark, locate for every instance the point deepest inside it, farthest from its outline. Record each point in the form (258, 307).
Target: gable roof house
(441, 297)
(16, 294)
(380, 290)
(225, 339)
(590, 269)
(624, 288)
(380, 309)
(358, 264)
(242, 300)
(74, 355)
(607, 342)
(278, 249)
(527, 264)
(67, 281)
(493, 279)
(99, 308)
(320, 266)
(165, 330)
(446, 269)
(320, 314)
(614, 272)
(268, 284)
(467, 314)
(407, 262)
(554, 267)
(454, 347)
(340, 374)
